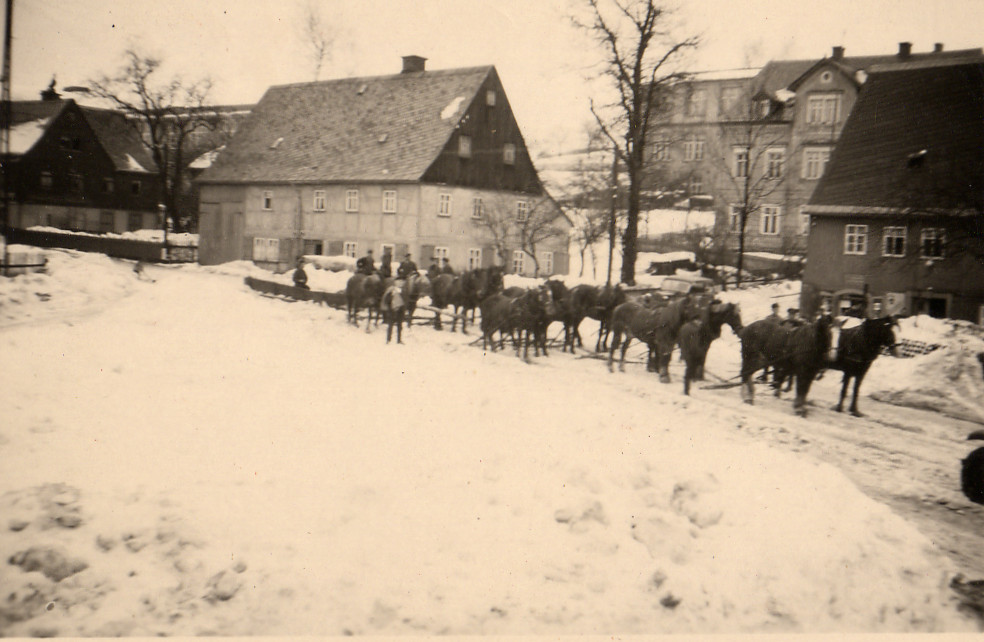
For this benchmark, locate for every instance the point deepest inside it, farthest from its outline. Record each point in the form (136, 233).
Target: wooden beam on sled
(442, 312)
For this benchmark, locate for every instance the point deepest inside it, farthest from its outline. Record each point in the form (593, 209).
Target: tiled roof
(899, 114)
(355, 129)
(119, 139)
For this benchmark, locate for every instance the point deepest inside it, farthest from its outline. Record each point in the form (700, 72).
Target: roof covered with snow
(120, 140)
(383, 127)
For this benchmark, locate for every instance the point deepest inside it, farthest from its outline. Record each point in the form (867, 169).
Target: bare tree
(319, 37)
(165, 115)
(538, 226)
(585, 201)
(497, 219)
(640, 54)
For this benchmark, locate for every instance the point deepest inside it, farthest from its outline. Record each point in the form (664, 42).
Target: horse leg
(399, 325)
(464, 317)
(803, 382)
(854, 400)
(840, 404)
(625, 347)
(389, 331)
(688, 372)
(611, 353)
(747, 380)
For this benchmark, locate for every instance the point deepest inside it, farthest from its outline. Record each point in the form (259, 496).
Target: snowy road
(197, 459)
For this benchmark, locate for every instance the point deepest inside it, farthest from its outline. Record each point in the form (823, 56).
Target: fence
(149, 251)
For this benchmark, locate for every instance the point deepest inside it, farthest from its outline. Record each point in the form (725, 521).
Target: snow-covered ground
(187, 457)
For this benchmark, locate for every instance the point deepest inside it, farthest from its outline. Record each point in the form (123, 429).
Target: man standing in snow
(300, 276)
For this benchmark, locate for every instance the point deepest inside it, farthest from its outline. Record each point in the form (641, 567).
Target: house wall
(834, 276)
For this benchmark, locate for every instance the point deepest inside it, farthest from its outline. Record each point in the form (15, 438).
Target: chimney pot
(905, 49)
(413, 64)
(838, 53)
(938, 47)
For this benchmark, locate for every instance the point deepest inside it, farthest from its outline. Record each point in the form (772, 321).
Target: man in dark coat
(386, 264)
(407, 267)
(300, 276)
(365, 265)
(446, 267)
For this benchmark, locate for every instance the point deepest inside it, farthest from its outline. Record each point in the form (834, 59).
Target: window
(490, 98)
(774, 159)
(441, 253)
(729, 100)
(47, 180)
(735, 218)
(106, 221)
(389, 201)
(136, 187)
(893, 241)
(815, 162)
(266, 250)
(478, 209)
(804, 223)
(740, 168)
(769, 219)
(855, 239)
(693, 148)
(522, 211)
(695, 185)
(76, 183)
(509, 154)
(696, 103)
(548, 263)
(474, 258)
(661, 150)
(134, 221)
(932, 241)
(268, 200)
(352, 200)
(320, 201)
(444, 204)
(350, 248)
(517, 261)
(822, 109)
(108, 185)
(464, 146)
(763, 108)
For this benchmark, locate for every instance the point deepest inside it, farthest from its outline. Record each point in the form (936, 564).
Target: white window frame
(266, 249)
(695, 184)
(522, 211)
(548, 263)
(441, 253)
(320, 199)
(351, 200)
(444, 203)
(693, 149)
(741, 160)
(890, 235)
(490, 98)
(474, 258)
(770, 218)
(509, 154)
(661, 151)
(938, 236)
(518, 261)
(775, 161)
(815, 161)
(389, 201)
(855, 239)
(822, 109)
(464, 146)
(267, 203)
(804, 222)
(734, 215)
(350, 249)
(478, 207)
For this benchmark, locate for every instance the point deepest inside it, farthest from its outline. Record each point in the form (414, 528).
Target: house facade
(78, 168)
(896, 221)
(758, 141)
(427, 162)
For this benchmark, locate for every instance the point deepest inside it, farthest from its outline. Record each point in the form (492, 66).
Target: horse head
(546, 303)
(729, 313)
(880, 333)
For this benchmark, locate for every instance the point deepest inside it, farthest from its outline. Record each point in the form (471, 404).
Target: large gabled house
(427, 162)
(897, 220)
(775, 128)
(78, 168)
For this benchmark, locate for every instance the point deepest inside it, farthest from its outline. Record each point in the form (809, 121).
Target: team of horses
(795, 352)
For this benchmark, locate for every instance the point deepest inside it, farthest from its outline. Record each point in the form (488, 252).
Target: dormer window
(464, 146)
(822, 109)
(763, 108)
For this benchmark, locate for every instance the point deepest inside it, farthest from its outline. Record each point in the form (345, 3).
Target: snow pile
(200, 460)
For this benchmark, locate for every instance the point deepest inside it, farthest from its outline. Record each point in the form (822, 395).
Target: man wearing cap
(365, 265)
(407, 267)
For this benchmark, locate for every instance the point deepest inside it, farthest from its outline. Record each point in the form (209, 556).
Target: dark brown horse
(800, 351)
(857, 348)
(563, 310)
(464, 292)
(524, 317)
(656, 327)
(697, 335)
(597, 302)
(363, 291)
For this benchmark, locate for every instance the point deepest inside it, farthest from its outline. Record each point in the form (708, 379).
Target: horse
(414, 287)
(495, 310)
(697, 335)
(563, 310)
(857, 348)
(530, 314)
(596, 302)
(363, 291)
(656, 327)
(464, 292)
(800, 351)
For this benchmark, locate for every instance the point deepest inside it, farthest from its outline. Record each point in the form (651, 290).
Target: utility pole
(5, 114)
(611, 215)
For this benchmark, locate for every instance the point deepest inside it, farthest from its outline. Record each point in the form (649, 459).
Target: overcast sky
(247, 45)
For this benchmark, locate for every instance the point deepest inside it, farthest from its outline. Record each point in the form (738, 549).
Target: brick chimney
(413, 64)
(905, 50)
(838, 53)
(938, 47)
(50, 93)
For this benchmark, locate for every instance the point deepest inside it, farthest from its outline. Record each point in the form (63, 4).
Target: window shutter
(259, 249)
(336, 248)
